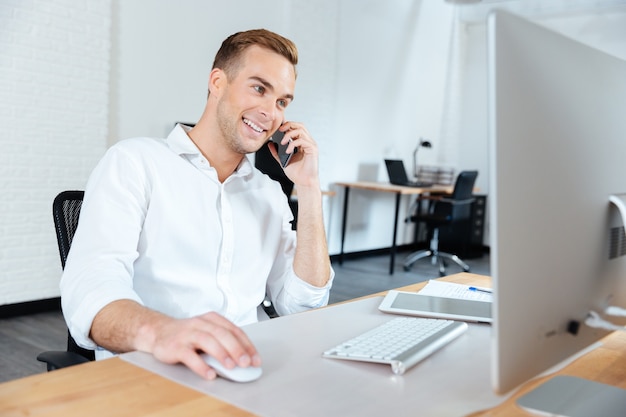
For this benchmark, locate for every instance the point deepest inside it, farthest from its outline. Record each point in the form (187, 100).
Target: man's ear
(217, 81)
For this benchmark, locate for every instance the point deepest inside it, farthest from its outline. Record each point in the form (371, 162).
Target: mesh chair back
(66, 211)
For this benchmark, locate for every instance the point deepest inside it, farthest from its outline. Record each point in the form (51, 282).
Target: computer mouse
(236, 374)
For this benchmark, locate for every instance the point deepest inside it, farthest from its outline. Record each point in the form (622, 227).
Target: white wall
(391, 83)
(374, 76)
(54, 72)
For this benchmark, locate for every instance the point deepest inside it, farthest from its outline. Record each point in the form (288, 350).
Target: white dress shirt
(156, 226)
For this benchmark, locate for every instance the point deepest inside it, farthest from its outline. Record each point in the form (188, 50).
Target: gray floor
(356, 278)
(23, 338)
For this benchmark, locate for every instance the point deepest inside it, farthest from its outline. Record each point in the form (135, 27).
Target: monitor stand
(570, 396)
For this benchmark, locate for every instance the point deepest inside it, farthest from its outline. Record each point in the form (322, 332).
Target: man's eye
(282, 103)
(259, 89)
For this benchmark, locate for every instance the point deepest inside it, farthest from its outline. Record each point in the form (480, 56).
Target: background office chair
(66, 210)
(444, 210)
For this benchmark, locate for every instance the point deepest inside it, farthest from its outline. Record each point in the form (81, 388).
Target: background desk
(399, 191)
(115, 387)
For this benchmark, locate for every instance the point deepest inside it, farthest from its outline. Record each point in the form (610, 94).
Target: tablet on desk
(414, 304)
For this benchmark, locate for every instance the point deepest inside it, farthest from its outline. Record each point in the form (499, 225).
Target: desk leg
(343, 222)
(392, 259)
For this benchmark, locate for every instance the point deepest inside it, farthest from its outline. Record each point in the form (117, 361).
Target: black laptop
(397, 174)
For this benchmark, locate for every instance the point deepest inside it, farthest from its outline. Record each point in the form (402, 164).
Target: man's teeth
(252, 125)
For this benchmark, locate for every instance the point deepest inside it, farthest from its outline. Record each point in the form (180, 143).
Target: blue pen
(487, 290)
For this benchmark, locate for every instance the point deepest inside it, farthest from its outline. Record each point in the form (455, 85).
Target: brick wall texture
(54, 100)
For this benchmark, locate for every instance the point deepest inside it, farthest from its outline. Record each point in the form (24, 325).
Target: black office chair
(66, 210)
(444, 210)
(265, 162)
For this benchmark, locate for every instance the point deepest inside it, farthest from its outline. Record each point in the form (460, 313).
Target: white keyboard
(401, 342)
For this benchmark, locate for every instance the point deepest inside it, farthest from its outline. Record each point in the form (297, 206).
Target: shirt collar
(179, 141)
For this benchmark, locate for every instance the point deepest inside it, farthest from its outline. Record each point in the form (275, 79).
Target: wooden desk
(399, 191)
(114, 387)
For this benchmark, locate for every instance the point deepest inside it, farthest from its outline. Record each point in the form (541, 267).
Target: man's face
(254, 101)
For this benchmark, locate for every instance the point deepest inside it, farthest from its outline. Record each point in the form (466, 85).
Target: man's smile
(253, 125)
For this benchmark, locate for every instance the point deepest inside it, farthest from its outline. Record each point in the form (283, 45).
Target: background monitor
(557, 127)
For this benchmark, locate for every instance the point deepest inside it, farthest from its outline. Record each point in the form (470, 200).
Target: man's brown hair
(228, 58)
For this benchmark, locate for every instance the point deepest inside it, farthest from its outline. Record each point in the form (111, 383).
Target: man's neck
(224, 161)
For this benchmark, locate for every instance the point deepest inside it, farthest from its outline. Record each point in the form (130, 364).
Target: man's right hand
(125, 325)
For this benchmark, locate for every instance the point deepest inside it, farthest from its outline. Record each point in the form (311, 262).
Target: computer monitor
(557, 151)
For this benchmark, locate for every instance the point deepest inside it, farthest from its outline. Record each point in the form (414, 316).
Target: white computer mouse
(236, 374)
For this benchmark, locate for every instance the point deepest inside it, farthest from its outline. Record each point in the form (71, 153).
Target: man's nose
(268, 109)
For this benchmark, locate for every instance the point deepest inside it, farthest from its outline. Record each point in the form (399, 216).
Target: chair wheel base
(440, 258)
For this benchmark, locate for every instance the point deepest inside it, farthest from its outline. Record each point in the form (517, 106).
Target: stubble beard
(228, 127)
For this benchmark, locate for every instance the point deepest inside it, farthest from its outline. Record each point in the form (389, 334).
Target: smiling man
(180, 239)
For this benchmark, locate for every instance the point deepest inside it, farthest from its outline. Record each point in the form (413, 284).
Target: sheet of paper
(452, 290)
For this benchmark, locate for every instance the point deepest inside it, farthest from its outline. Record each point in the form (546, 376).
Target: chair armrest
(60, 359)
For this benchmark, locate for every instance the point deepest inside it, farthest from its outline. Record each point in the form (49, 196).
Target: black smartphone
(282, 149)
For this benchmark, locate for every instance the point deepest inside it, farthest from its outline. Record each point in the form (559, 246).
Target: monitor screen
(557, 144)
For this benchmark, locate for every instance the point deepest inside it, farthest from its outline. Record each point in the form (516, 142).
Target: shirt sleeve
(299, 295)
(288, 292)
(99, 268)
